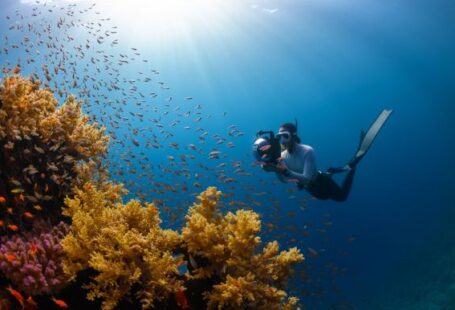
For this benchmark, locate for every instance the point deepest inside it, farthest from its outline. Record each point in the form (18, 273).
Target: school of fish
(149, 127)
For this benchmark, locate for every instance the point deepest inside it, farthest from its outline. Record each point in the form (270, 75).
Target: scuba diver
(292, 161)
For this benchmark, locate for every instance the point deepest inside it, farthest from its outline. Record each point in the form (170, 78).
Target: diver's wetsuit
(302, 167)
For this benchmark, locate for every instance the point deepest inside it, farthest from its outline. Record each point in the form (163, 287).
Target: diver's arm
(309, 169)
(276, 169)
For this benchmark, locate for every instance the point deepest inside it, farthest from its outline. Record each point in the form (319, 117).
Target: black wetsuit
(324, 186)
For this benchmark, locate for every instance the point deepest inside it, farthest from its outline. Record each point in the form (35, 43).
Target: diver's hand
(270, 167)
(279, 167)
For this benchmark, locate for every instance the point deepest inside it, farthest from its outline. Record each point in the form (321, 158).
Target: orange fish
(11, 257)
(28, 215)
(60, 303)
(13, 227)
(32, 302)
(9, 210)
(17, 69)
(16, 295)
(33, 249)
(2, 223)
(37, 207)
(181, 300)
(2, 199)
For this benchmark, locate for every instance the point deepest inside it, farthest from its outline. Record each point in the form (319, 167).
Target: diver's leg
(346, 186)
(333, 191)
(324, 187)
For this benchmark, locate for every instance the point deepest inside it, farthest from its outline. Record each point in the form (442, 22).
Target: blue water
(333, 66)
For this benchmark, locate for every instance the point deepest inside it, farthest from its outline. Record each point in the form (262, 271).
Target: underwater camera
(267, 147)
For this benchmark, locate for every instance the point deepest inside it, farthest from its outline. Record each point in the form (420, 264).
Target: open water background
(334, 65)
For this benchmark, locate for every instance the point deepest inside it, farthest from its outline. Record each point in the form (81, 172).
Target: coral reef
(46, 150)
(127, 248)
(227, 245)
(123, 243)
(42, 149)
(33, 263)
(51, 158)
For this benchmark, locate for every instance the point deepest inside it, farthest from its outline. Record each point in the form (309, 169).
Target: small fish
(17, 183)
(17, 190)
(17, 69)
(60, 303)
(181, 299)
(33, 249)
(9, 145)
(11, 257)
(192, 261)
(2, 199)
(313, 252)
(37, 208)
(32, 302)
(28, 215)
(38, 149)
(16, 295)
(13, 227)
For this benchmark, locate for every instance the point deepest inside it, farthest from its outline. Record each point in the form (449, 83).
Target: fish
(62, 304)
(313, 252)
(9, 145)
(192, 261)
(214, 154)
(33, 249)
(17, 183)
(181, 299)
(17, 190)
(38, 149)
(13, 227)
(17, 295)
(32, 302)
(28, 215)
(11, 257)
(2, 199)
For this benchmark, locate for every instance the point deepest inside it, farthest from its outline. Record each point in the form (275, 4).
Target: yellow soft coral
(27, 109)
(87, 139)
(24, 105)
(229, 244)
(45, 149)
(248, 293)
(123, 243)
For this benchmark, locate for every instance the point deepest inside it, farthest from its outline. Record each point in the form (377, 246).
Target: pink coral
(33, 263)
